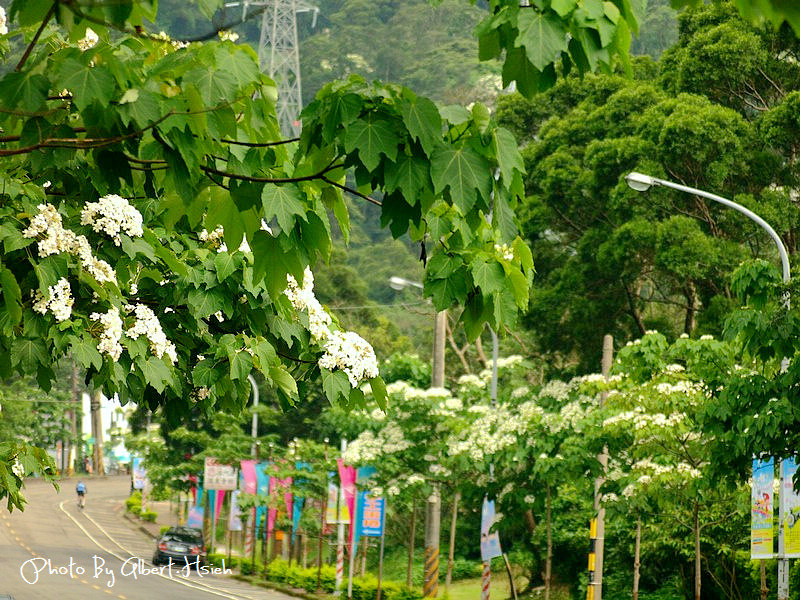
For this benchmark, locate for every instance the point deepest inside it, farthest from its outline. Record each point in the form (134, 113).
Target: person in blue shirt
(81, 490)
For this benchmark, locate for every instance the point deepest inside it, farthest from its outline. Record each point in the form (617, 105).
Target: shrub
(278, 570)
(248, 568)
(466, 569)
(149, 515)
(134, 503)
(163, 530)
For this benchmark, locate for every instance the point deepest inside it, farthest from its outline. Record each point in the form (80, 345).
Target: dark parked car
(182, 545)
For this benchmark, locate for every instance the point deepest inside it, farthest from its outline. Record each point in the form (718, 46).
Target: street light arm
(729, 203)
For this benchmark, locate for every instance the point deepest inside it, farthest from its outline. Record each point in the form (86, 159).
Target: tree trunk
(548, 565)
(480, 352)
(764, 589)
(691, 307)
(411, 543)
(530, 521)
(451, 554)
(697, 551)
(636, 555)
(97, 432)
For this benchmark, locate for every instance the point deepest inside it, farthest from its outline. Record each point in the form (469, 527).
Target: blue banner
(370, 515)
(490, 541)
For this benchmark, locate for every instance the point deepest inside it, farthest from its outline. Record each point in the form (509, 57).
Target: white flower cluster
(57, 239)
(506, 362)
(3, 21)
(303, 298)
(164, 37)
(17, 467)
(471, 380)
(214, 239)
(147, 324)
(348, 351)
(345, 350)
(112, 332)
(674, 368)
(228, 36)
(113, 214)
(58, 301)
(520, 392)
(89, 40)
(505, 251)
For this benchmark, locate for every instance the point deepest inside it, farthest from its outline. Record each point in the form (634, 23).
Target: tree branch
(319, 175)
(262, 144)
(352, 191)
(35, 39)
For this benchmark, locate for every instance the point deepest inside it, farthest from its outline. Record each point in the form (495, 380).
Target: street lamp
(642, 183)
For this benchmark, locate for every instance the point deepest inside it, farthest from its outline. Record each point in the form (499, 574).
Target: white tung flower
(89, 40)
(147, 324)
(228, 36)
(113, 214)
(3, 21)
(112, 332)
(58, 301)
(352, 354)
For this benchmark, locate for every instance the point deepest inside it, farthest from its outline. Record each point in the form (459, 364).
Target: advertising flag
(249, 476)
(235, 517)
(790, 501)
(370, 515)
(139, 474)
(490, 541)
(347, 475)
(761, 509)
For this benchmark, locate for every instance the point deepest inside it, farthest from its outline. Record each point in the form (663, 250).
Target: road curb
(140, 527)
(270, 585)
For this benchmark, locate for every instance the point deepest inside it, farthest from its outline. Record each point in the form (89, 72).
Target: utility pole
(279, 54)
(595, 589)
(433, 507)
(97, 432)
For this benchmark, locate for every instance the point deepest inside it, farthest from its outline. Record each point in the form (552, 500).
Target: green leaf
(204, 374)
(12, 295)
(283, 202)
(563, 7)
(409, 174)
(224, 264)
(156, 372)
(518, 68)
(464, 171)
(143, 111)
(241, 364)
(264, 354)
(507, 151)
(344, 110)
(423, 122)
(447, 291)
(238, 64)
(333, 199)
(335, 384)
(24, 90)
(371, 136)
(85, 352)
(87, 84)
(27, 354)
(543, 35)
(285, 382)
(214, 86)
(379, 391)
(13, 238)
(488, 275)
(204, 302)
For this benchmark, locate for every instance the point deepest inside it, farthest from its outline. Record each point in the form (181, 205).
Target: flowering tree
(152, 216)
(659, 454)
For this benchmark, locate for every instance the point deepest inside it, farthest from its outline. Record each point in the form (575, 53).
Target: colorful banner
(218, 504)
(335, 504)
(249, 476)
(370, 515)
(217, 476)
(262, 490)
(195, 517)
(235, 513)
(272, 513)
(790, 503)
(761, 509)
(347, 475)
(297, 513)
(139, 474)
(490, 541)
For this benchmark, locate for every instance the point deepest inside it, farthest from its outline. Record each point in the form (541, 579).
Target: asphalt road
(53, 550)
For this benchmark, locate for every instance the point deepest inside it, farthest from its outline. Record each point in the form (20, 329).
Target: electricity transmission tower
(279, 53)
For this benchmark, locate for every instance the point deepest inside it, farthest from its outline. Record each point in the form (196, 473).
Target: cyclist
(81, 490)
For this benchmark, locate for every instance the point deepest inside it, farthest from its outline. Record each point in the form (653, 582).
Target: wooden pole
(451, 553)
(411, 542)
(636, 557)
(380, 552)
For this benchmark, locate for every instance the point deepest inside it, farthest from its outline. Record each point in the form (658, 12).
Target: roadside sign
(217, 476)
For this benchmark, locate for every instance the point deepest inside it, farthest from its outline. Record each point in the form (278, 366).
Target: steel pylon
(279, 54)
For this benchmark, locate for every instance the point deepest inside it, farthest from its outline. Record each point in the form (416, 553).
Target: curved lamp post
(642, 183)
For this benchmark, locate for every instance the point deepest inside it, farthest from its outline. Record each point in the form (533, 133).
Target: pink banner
(272, 514)
(347, 475)
(250, 476)
(218, 504)
(287, 496)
